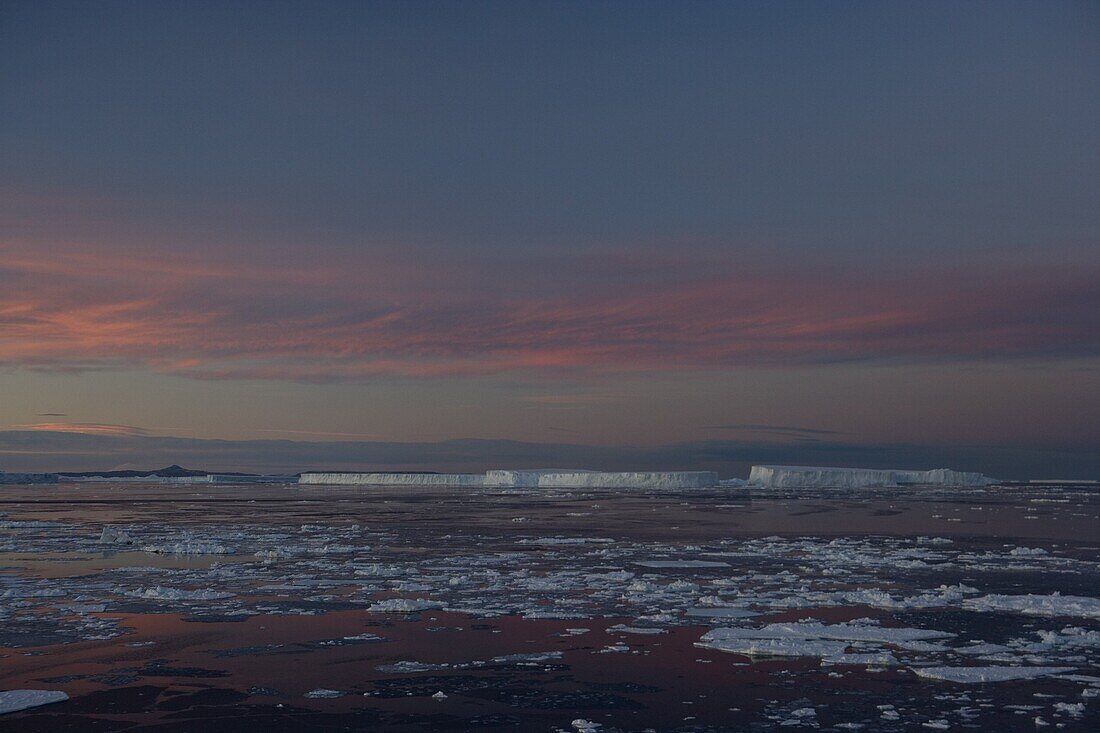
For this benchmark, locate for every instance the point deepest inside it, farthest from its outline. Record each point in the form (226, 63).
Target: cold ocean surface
(328, 608)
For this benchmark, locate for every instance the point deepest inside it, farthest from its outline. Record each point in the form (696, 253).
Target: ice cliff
(528, 478)
(395, 479)
(784, 477)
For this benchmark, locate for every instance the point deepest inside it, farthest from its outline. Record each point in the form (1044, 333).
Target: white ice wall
(854, 478)
(529, 478)
(395, 479)
(630, 480)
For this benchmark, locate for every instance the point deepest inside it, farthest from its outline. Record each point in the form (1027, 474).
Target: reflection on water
(399, 609)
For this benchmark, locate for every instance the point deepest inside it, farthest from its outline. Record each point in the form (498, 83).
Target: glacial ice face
(527, 479)
(582, 479)
(394, 479)
(791, 477)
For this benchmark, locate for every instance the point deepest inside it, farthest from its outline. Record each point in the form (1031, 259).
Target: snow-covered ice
(857, 478)
(979, 675)
(12, 701)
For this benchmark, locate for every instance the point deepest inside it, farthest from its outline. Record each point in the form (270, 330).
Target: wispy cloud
(320, 433)
(72, 310)
(86, 428)
(791, 430)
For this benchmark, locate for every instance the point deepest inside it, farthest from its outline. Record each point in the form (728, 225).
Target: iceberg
(554, 478)
(394, 479)
(792, 477)
(583, 479)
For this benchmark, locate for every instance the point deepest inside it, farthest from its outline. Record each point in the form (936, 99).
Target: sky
(603, 230)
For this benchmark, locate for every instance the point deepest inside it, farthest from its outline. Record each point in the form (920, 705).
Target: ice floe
(813, 639)
(979, 675)
(114, 536)
(409, 667)
(161, 593)
(404, 605)
(1054, 604)
(12, 701)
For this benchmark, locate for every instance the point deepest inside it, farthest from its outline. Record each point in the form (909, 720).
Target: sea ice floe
(813, 639)
(189, 546)
(771, 647)
(114, 536)
(1054, 604)
(404, 605)
(161, 593)
(551, 541)
(682, 564)
(12, 701)
(643, 630)
(979, 675)
(29, 524)
(868, 659)
(527, 658)
(720, 612)
(1072, 709)
(409, 667)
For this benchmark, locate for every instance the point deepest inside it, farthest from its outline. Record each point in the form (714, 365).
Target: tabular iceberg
(528, 478)
(394, 479)
(581, 479)
(783, 477)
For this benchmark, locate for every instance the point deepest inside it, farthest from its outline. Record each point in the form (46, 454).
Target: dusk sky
(690, 233)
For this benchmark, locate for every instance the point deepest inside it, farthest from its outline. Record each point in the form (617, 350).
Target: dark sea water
(316, 608)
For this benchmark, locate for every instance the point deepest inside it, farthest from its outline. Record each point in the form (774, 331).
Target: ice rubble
(789, 477)
(189, 546)
(161, 593)
(404, 605)
(1054, 604)
(527, 658)
(12, 701)
(813, 639)
(979, 675)
(410, 667)
(114, 536)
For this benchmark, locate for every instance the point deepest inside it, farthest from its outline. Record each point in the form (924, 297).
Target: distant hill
(172, 471)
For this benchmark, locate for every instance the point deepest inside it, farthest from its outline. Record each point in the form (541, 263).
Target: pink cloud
(81, 309)
(86, 429)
